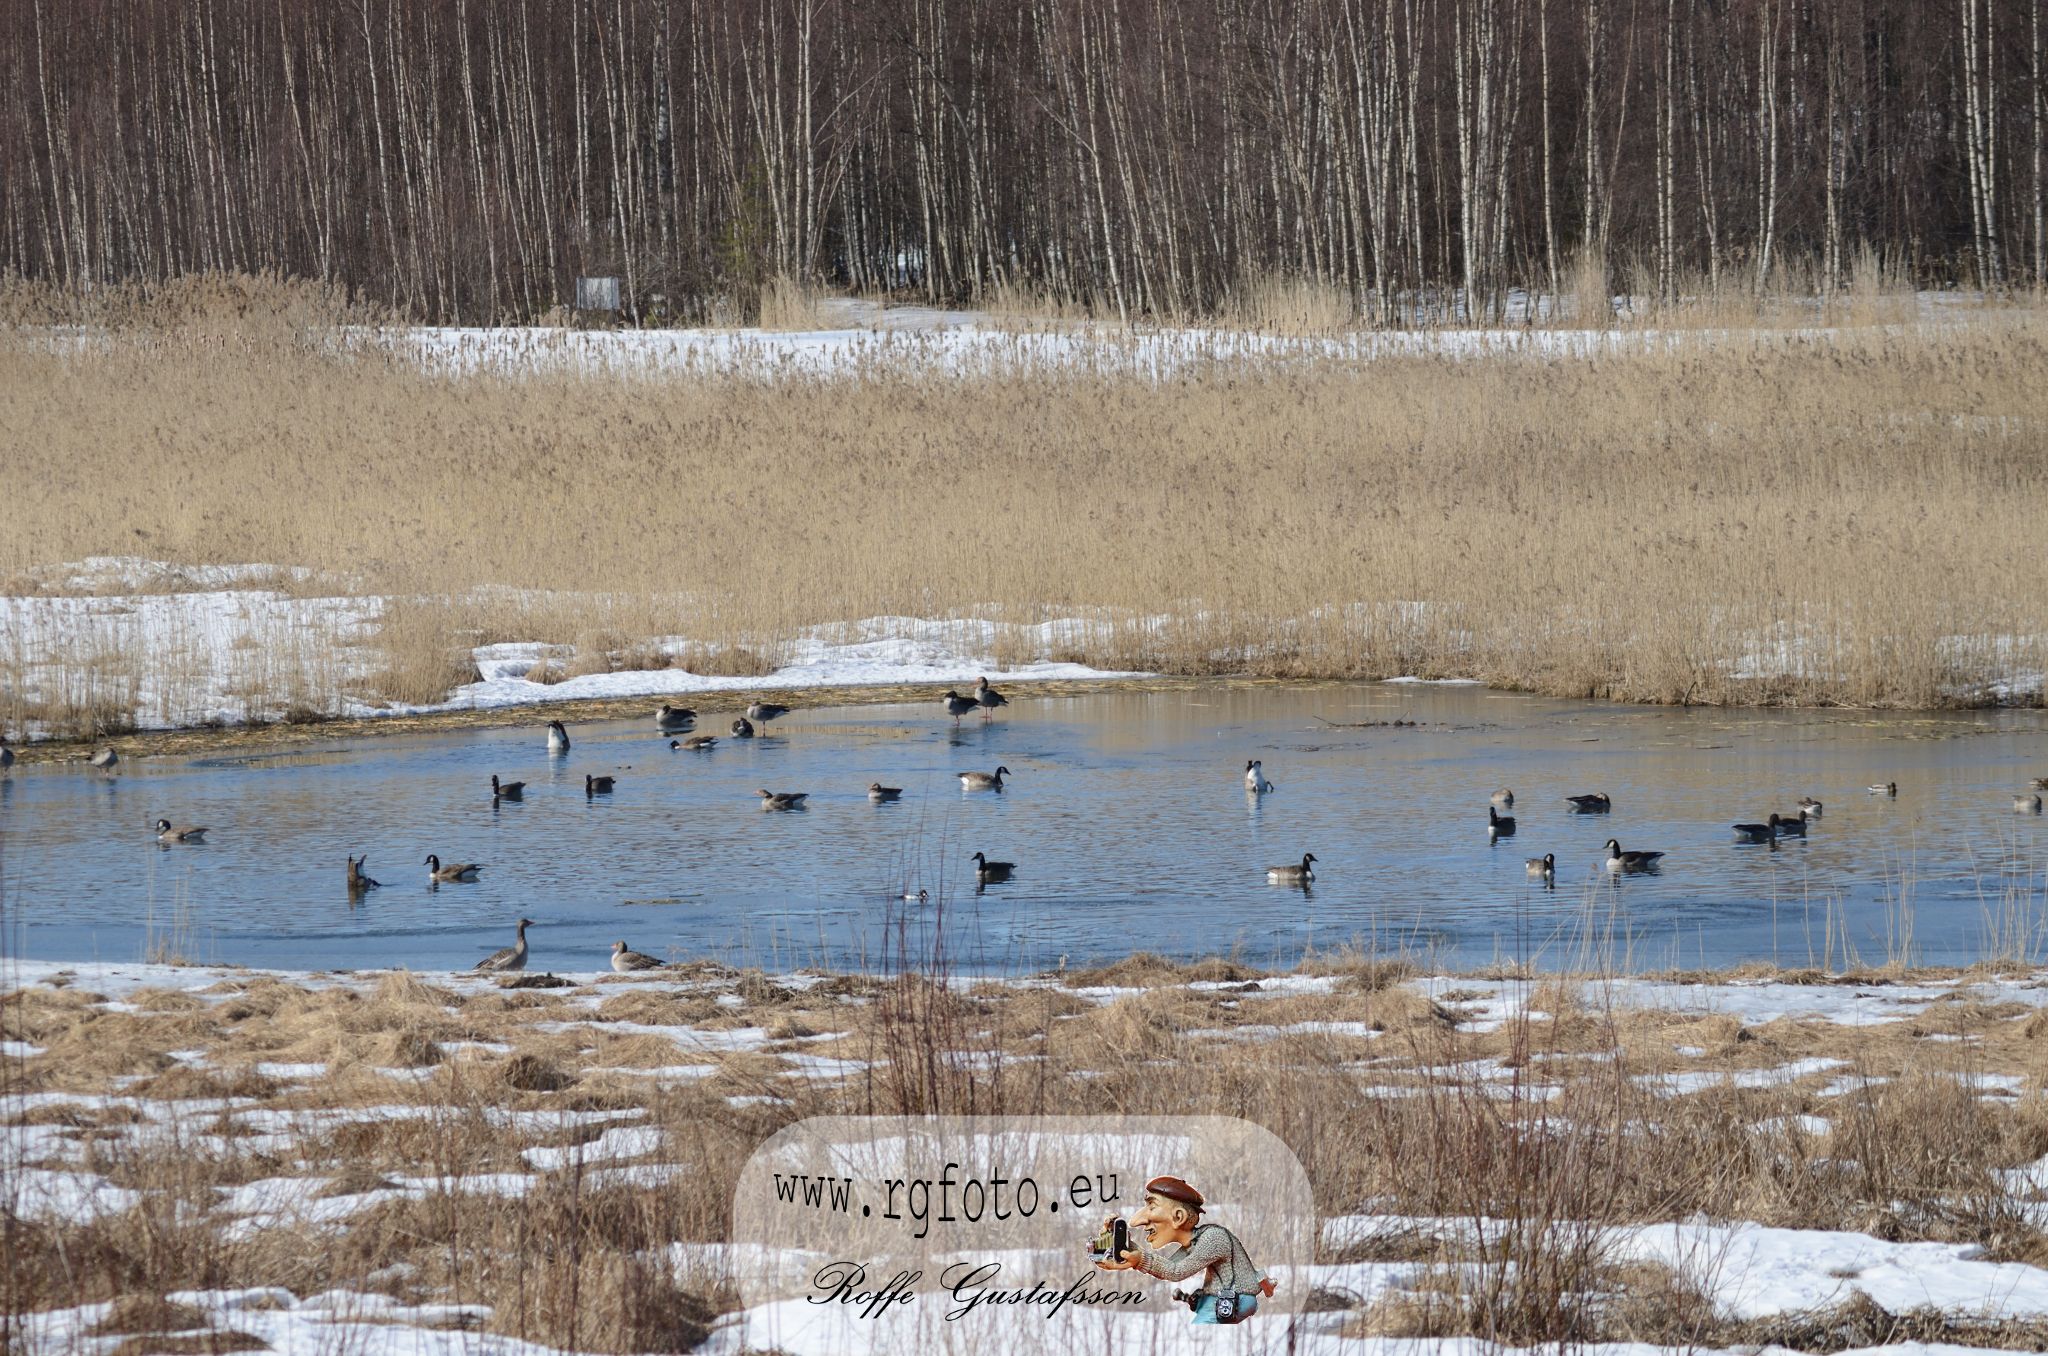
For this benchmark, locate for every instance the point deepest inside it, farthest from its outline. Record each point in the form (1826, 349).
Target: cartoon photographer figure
(1177, 1245)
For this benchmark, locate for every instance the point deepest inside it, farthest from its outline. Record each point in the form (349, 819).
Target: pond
(1125, 813)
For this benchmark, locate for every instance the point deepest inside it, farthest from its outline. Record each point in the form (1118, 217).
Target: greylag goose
(782, 800)
(512, 957)
(625, 959)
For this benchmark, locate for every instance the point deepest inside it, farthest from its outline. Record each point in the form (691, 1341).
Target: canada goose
(1255, 777)
(742, 728)
(1759, 833)
(957, 705)
(694, 744)
(1293, 875)
(597, 786)
(104, 758)
(1595, 804)
(879, 792)
(782, 800)
(1617, 860)
(984, 781)
(673, 718)
(988, 872)
(766, 711)
(1499, 825)
(988, 697)
(464, 871)
(2026, 805)
(1791, 826)
(512, 957)
(507, 790)
(1809, 807)
(1883, 789)
(625, 959)
(1544, 867)
(558, 738)
(1504, 798)
(356, 879)
(166, 832)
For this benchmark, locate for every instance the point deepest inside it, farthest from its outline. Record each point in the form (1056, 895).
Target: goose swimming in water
(512, 957)
(879, 792)
(1760, 833)
(988, 872)
(2026, 805)
(598, 786)
(782, 800)
(1544, 867)
(507, 790)
(984, 781)
(1791, 826)
(462, 871)
(1809, 807)
(1617, 860)
(558, 738)
(1597, 803)
(1499, 825)
(674, 718)
(1293, 875)
(357, 881)
(1255, 777)
(1504, 798)
(625, 959)
(1884, 789)
(166, 832)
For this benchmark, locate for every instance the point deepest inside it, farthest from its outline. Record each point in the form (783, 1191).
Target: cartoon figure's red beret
(1173, 1189)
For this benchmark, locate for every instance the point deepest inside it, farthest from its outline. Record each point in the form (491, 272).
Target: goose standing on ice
(988, 697)
(766, 711)
(558, 738)
(1255, 777)
(512, 957)
(625, 959)
(957, 705)
(105, 759)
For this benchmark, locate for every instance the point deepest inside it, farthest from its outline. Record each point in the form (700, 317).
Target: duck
(1504, 798)
(598, 786)
(782, 800)
(984, 781)
(1596, 803)
(104, 759)
(918, 897)
(507, 790)
(1544, 867)
(1883, 789)
(1809, 807)
(166, 832)
(742, 728)
(673, 718)
(879, 792)
(625, 959)
(356, 879)
(988, 698)
(512, 957)
(1617, 860)
(957, 705)
(1294, 875)
(2026, 805)
(988, 872)
(558, 738)
(1499, 825)
(766, 711)
(1255, 777)
(1759, 833)
(2039, 783)
(694, 744)
(463, 871)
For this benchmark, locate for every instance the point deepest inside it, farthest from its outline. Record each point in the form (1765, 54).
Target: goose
(6, 755)
(2026, 805)
(1617, 860)
(1883, 789)
(1499, 825)
(1255, 777)
(1544, 867)
(742, 728)
(463, 871)
(2039, 783)
(984, 781)
(988, 697)
(1809, 807)
(598, 786)
(558, 738)
(1597, 803)
(356, 879)
(625, 959)
(166, 832)
(1792, 826)
(782, 800)
(512, 957)
(507, 790)
(673, 718)
(694, 744)
(1293, 875)
(988, 872)
(1504, 798)
(1759, 833)
(104, 758)
(957, 705)
(766, 711)
(879, 792)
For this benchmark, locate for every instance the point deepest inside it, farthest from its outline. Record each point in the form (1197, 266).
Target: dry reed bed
(1783, 517)
(1539, 1129)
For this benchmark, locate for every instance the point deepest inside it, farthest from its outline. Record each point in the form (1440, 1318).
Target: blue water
(1126, 816)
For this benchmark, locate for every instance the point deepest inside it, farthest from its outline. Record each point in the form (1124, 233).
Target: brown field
(1756, 517)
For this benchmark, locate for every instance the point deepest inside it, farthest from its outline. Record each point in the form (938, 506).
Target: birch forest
(465, 160)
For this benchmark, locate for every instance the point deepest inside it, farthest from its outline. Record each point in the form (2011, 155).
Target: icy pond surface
(1126, 815)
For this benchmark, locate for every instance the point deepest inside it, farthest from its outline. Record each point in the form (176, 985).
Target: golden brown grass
(1763, 517)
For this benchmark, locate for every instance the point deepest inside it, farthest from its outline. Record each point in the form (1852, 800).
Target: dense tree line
(464, 159)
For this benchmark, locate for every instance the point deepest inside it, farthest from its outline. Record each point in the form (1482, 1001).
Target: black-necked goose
(984, 781)
(598, 786)
(674, 718)
(1791, 826)
(104, 759)
(462, 871)
(357, 880)
(1255, 777)
(766, 711)
(988, 872)
(957, 705)
(694, 744)
(1596, 803)
(1544, 867)
(1883, 789)
(507, 790)
(988, 698)
(625, 959)
(512, 957)
(1809, 807)
(1760, 833)
(558, 738)
(742, 728)
(1293, 875)
(2026, 805)
(1499, 825)
(1617, 860)
(1504, 798)
(782, 800)
(877, 791)
(166, 832)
